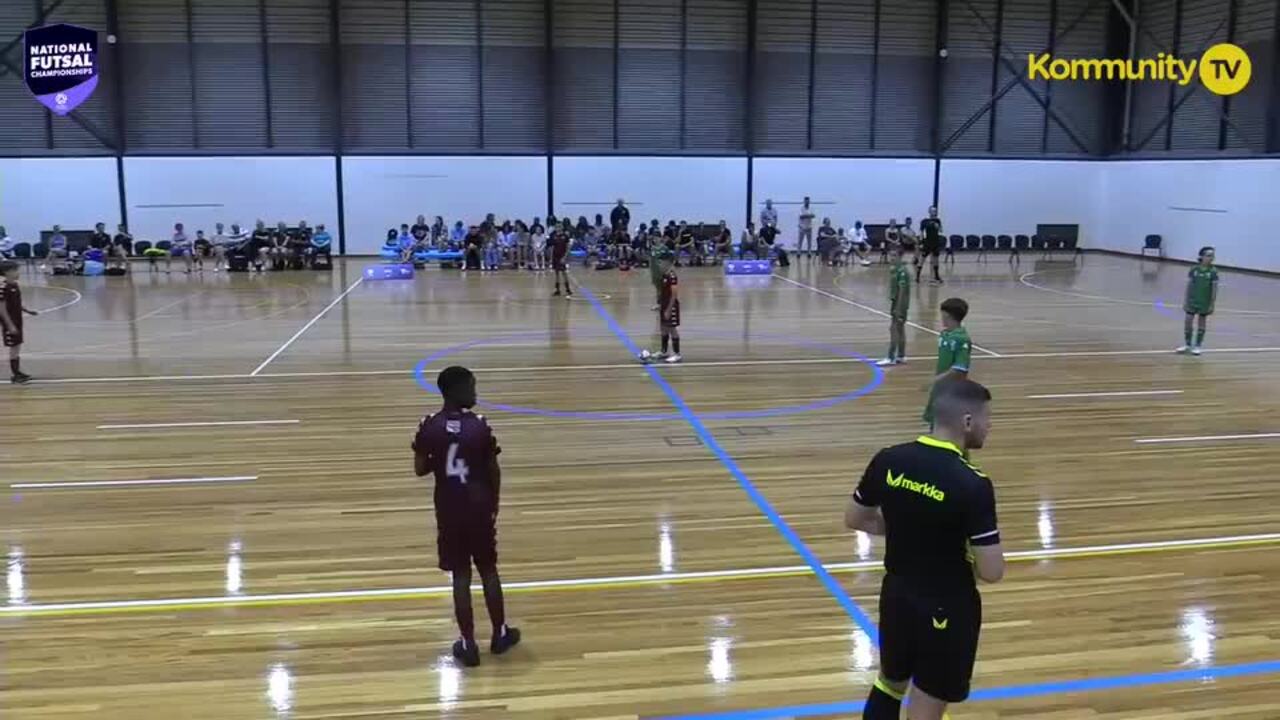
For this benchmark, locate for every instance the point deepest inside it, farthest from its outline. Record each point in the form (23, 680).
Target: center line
(868, 308)
(198, 424)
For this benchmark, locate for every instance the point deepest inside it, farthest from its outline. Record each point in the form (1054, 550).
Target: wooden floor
(295, 578)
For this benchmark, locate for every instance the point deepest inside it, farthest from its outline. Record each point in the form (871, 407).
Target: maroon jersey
(668, 304)
(559, 244)
(461, 447)
(11, 295)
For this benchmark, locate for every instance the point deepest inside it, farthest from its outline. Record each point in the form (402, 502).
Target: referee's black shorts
(931, 247)
(930, 639)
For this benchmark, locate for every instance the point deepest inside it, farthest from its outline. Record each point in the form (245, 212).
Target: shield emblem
(60, 65)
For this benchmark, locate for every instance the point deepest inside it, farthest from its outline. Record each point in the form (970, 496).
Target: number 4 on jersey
(455, 467)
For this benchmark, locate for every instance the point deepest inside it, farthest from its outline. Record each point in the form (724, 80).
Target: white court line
(127, 483)
(868, 308)
(1205, 438)
(140, 426)
(78, 297)
(1121, 301)
(614, 366)
(306, 327)
(1118, 393)
(229, 601)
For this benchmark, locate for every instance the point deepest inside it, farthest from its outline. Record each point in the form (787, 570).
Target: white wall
(870, 190)
(76, 193)
(693, 189)
(383, 192)
(994, 197)
(199, 192)
(1230, 204)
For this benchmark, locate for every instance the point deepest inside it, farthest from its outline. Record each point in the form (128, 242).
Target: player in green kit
(899, 303)
(954, 350)
(1202, 293)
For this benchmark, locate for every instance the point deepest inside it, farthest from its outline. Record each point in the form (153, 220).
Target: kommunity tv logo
(1223, 69)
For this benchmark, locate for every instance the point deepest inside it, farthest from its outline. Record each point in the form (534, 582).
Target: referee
(938, 515)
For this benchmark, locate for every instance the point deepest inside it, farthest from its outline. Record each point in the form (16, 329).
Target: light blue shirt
(321, 239)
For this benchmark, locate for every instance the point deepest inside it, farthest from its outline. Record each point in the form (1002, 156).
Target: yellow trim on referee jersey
(943, 444)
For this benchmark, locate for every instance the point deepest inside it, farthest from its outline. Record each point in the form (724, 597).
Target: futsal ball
(645, 356)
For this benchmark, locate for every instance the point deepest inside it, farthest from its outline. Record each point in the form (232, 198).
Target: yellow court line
(392, 595)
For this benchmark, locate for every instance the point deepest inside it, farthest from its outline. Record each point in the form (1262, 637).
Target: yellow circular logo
(1225, 69)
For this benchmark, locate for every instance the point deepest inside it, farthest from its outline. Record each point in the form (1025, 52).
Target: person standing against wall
(804, 235)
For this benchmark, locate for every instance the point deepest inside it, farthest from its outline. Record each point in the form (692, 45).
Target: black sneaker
(505, 641)
(468, 655)
(568, 293)
(20, 379)
(556, 293)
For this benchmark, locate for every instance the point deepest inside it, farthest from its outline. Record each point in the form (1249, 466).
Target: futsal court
(212, 511)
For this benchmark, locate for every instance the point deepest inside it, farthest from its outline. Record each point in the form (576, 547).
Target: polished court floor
(212, 514)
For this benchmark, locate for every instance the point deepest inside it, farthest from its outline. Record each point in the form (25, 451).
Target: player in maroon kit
(560, 259)
(459, 448)
(11, 312)
(669, 314)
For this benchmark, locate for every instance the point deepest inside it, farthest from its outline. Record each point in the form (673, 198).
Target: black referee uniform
(935, 506)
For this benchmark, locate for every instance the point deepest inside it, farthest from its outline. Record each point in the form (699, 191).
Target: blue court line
(1015, 692)
(859, 616)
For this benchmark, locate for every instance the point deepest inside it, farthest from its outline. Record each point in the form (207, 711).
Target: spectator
(524, 245)
(120, 249)
(685, 244)
(538, 237)
(859, 244)
(828, 245)
(721, 244)
(804, 233)
(180, 246)
(259, 246)
(439, 234)
(620, 246)
(404, 243)
(99, 239)
(891, 234)
(769, 215)
(509, 244)
(749, 243)
(492, 251)
(299, 244)
(458, 237)
(6, 244)
(473, 243)
(59, 250)
(421, 231)
(198, 249)
(321, 245)
(620, 216)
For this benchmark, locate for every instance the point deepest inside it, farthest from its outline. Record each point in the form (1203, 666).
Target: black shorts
(13, 339)
(558, 263)
(929, 639)
(928, 248)
(460, 543)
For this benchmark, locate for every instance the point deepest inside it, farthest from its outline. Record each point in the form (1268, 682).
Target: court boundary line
(881, 313)
(408, 373)
(1105, 393)
(1022, 279)
(307, 327)
(855, 612)
(1010, 692)
(85, 484)
(1205, 438)
(606, 582)
(216, 423)
(78, 297)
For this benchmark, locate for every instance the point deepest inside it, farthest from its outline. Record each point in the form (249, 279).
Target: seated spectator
(492, 239)
(640, 245)
(687, 245)
(473, 245)
(299, 245)
(721, 244)
(620, 246)
(421, 231)
(59, 250)
(180, 246)
(99, 239)
(280, 239)
(828, 242)
(538, 239)
(508, 244)
(259, 250)
(749, 243)
(6, 244)
(321, 245)
(457, 238)
(439, 234)
(120, 249)
(858, 243)
(404, 243)
(524, 245)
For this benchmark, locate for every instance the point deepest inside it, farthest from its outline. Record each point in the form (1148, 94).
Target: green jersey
(1202, 286)
(899, 290)
(954, 348)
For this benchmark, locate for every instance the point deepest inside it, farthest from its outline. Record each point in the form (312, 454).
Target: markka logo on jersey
(60, 65)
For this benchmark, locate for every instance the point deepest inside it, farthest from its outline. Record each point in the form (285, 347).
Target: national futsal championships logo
(1223, 69)
(60, 65)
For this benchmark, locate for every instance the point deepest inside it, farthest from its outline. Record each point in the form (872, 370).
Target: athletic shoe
(655, 308)
(901, 360)
(1183, 350)
(1196, 350)
(866, 263)
(568, 293)
(468, 655)
(935, 281)
(673, 359)
(20, 379)
(556, 293)
(509, 638)
(885, 362)
(660, 356)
